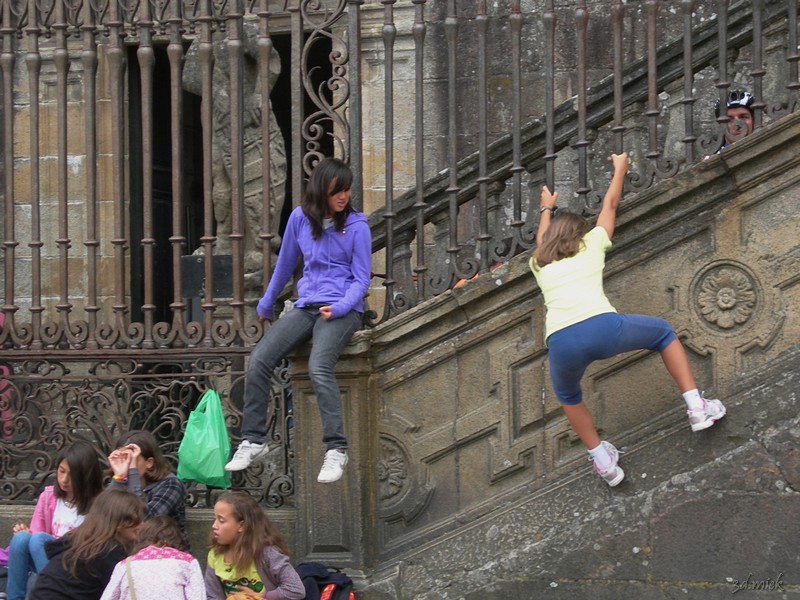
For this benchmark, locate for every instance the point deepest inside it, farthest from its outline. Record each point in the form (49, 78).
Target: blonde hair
(562, 239)
(258, 531)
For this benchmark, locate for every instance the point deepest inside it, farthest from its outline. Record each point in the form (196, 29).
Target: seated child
(82, 561)
(248, 555)
(159, 568)
(59, 509)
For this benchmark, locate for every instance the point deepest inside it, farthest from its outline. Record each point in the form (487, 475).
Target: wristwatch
(552, 209)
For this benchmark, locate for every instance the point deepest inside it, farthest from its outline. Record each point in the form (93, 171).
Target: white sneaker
(245, 455)
(333, 466)
(613, 473)
(712, 411)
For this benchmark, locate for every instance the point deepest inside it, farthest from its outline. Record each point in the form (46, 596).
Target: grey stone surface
(494, 496)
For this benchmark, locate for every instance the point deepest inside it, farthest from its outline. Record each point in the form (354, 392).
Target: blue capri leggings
(573, 348)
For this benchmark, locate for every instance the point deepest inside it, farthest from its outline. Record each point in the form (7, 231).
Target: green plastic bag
(205, 447)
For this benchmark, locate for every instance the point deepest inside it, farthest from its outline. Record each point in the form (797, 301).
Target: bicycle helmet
(736, 99)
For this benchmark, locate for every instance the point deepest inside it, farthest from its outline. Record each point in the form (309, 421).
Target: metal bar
(581, 144)
(235, 61)
(758, 71)
(652, 113)
(116, 62)
(549, 22)
(205, 53)
(61, 62)
(298, 113)
(33, 60)
(688, 83)
(356, 131)
(792, 57)
(265, 50)
(146, 58)
(89, 61)
(177, 241)
(10, 243)
(419, 30)
(451, 35)
(618, 25)
(515, 31)
(484, 237)
(722, 65)
(389, 33)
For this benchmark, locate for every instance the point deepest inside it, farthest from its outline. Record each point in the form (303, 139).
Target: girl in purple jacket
(335, 244)
(59, 509)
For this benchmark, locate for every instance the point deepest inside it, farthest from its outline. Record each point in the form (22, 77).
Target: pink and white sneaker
(612, 474)
(712, 411)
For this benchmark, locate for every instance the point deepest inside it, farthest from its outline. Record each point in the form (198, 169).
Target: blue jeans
(328, 338)
(572, 349)
(25, 555)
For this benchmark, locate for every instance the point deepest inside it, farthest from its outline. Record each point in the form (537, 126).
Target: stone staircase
(696, 513)
(700, 515)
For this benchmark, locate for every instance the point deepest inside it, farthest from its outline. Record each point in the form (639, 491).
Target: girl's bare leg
(582, 423)
(674, 357)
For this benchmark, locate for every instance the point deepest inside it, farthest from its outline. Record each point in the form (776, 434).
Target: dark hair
(562, 239)
(85, 473)
(112, 510)
(160, 531)
(150, 449)
(315, 199)
(258, 531)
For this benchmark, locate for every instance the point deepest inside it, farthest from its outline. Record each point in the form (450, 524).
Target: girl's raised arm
(608, 213)
(547, 206)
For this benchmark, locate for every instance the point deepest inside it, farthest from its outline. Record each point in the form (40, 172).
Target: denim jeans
(25, 555)
(328, 338)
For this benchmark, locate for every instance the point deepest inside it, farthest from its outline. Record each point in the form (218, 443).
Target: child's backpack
(325, 583)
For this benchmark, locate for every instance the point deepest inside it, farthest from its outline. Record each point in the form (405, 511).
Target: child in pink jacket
(59, 509)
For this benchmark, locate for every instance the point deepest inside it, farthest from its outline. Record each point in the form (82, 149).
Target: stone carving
(727, 296)
(392, 470)
(253, 185)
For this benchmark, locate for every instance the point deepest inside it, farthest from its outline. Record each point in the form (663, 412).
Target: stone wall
(473, 477)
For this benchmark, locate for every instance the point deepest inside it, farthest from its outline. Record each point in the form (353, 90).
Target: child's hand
(135, 452)
(548, 198)
(119, 461)
(620, 162)
(20, 527)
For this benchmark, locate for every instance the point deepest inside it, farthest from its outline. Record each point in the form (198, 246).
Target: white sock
(693, 399)
(601, 457)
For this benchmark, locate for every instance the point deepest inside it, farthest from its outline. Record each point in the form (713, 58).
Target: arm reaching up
(608, 213)
(547, 206)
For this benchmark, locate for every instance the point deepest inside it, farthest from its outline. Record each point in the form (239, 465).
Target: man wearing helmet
(740, 115)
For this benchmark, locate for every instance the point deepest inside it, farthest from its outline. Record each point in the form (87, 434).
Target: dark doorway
(192, 177)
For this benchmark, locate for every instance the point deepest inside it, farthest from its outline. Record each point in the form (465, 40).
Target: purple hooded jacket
(336, 267)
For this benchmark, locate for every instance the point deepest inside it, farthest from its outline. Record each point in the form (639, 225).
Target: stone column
(334, 520)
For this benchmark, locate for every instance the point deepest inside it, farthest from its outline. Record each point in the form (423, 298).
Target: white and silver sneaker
(712, 411)
(613, 473)
(333, 466)
(246, 454)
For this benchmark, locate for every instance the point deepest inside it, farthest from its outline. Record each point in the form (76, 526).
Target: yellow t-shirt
(573, 287)
(231, 579)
